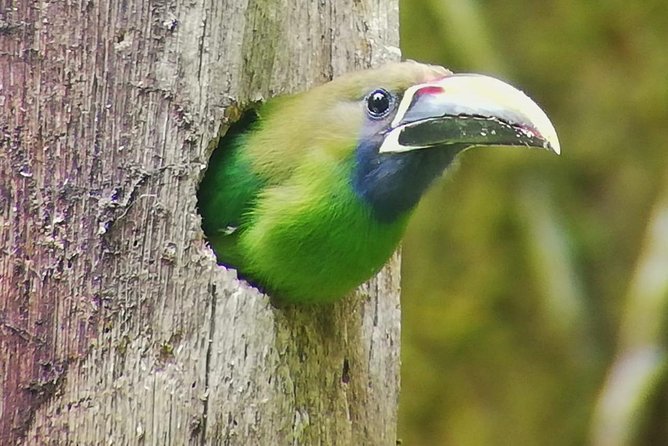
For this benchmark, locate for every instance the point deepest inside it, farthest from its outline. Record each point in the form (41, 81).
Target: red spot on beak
(530, 130)
(429, 89)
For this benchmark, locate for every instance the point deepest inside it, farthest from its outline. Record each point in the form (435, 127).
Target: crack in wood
(207, 366)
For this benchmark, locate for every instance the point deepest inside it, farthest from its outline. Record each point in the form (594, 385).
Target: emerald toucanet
(312, 195)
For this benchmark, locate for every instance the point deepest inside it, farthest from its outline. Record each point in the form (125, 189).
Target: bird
(308, 195)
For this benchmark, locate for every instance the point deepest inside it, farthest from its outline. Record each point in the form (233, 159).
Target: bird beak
(468, 110)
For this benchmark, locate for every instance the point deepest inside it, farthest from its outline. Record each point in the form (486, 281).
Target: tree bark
(116, 325)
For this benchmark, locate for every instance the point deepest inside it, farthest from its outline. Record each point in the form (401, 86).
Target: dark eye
(378, 103)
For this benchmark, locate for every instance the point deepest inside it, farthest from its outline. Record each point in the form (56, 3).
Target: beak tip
(550, 134)
(554, 146)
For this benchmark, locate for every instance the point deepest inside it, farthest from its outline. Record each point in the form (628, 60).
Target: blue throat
(392, 184)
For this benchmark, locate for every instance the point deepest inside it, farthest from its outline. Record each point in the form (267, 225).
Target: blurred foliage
(518, 266)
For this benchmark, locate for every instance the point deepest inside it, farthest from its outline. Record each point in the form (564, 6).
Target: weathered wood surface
(116, 326)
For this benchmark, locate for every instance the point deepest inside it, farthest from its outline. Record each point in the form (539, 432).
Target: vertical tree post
(116, 325)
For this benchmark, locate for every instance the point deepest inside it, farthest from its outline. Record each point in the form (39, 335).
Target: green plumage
(309, 199)
(307, 238)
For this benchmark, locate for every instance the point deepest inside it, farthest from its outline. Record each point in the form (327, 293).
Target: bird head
(396, 129)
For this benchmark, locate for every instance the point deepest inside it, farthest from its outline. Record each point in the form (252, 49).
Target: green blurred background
(536, 287)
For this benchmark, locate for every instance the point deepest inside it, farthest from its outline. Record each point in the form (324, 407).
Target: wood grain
(116, 325)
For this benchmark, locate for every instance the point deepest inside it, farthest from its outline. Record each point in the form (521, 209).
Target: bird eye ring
(378, 103)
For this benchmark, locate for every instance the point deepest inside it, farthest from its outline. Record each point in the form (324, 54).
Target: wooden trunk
(116, 324)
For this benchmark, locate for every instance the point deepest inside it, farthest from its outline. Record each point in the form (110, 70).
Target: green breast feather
(308, 238)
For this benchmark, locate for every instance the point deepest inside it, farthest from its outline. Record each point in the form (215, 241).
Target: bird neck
(392, 184)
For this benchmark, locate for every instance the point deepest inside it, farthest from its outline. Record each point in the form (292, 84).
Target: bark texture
(116, 325)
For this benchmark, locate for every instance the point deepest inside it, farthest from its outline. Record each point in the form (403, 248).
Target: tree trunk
(116, 325)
